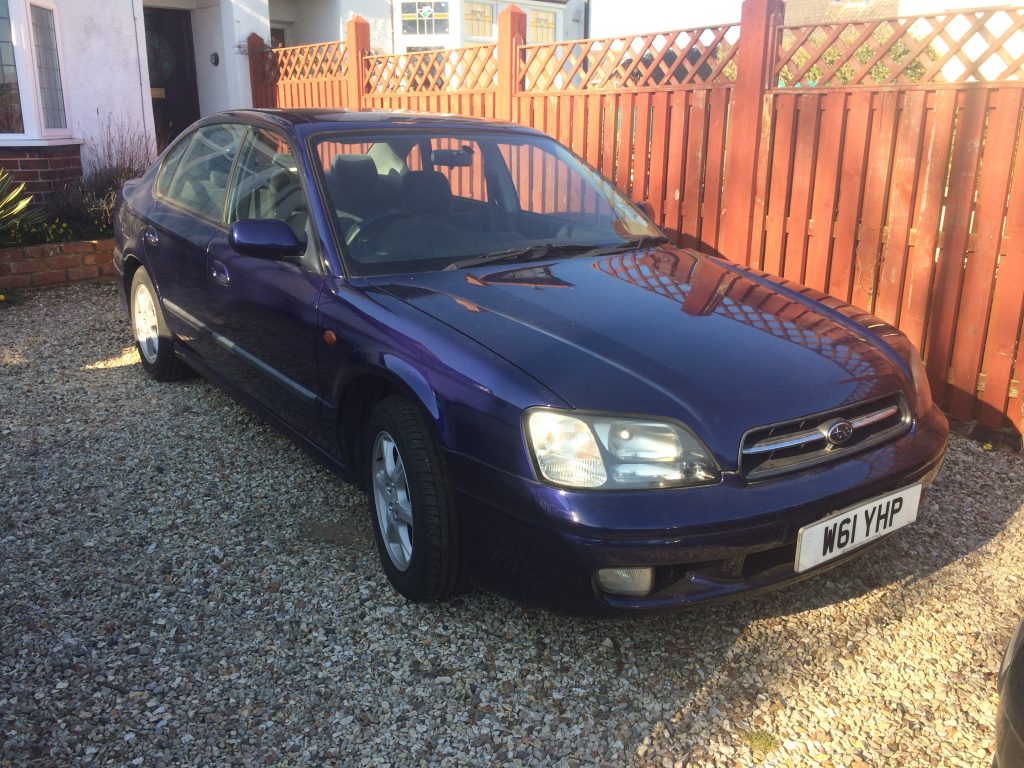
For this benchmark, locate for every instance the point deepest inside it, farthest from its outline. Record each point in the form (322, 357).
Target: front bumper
(544, 545)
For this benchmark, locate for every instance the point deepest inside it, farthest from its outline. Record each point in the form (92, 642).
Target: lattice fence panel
(324, 61)
(982, 45)
(461, 69)
(695, 57)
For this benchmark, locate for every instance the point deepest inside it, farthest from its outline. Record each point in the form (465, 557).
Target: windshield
(416, 201)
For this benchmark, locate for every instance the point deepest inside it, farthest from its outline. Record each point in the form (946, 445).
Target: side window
(170, 165)
(267, 186)
(200, 181)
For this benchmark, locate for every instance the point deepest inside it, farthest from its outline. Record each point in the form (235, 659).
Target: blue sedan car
(540, 394)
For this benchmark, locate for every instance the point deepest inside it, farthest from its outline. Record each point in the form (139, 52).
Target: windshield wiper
(522, 254)
(639, 244)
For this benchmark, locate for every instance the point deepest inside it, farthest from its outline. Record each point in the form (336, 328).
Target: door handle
(151, 237)
(220, 273)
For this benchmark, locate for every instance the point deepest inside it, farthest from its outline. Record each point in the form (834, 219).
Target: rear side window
(170, 165)
(200, 180)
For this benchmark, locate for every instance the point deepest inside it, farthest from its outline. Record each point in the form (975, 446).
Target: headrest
(427, 192)
(349, 180)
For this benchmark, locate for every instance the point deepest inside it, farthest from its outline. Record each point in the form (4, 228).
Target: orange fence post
(748, 108)
(357, 45)
(262, 95)
(511, 35)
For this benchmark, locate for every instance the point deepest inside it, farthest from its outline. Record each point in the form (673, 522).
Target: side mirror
(265, 239)
(646, 209)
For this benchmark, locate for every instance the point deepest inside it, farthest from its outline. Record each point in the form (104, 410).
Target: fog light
(633, 582)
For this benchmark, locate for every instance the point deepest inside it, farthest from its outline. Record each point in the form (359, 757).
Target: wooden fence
(880, 161)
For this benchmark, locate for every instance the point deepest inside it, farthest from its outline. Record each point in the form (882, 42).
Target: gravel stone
(180, 585)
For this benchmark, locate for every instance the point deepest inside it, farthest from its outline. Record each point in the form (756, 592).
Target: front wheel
(415, 523)
(152, 337)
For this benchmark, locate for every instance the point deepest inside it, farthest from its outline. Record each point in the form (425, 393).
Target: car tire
(411, 504)
(153, 339)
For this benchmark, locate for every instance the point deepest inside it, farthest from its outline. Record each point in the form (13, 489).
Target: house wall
(569, 24)
(609, 18)
(207, 38)
(307, 21)
(112, 42)
(378, 14)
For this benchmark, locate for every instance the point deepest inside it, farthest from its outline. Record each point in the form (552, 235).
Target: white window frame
(35, 134)
(44, 132)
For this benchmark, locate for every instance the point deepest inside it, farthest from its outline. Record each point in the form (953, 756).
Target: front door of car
(187, 212)
(265, 309)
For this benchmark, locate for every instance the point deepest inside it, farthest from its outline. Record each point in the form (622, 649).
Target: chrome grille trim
(789, 446)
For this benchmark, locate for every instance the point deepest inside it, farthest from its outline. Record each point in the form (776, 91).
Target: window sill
(14, 140)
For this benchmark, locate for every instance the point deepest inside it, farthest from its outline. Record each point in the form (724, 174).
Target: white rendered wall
(239, 19)
(207, 38)
(103, 72)
(611, 18)
(378, 14)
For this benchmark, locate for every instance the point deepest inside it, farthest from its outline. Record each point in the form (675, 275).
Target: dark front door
(172, 72)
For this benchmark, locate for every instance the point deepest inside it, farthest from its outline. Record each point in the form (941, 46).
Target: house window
(425, 17)
(479, 20)
(541, 27)
(51, 91)
(10, 97)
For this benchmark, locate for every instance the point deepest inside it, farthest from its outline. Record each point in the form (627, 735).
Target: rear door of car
(187, 212)
(265, 309)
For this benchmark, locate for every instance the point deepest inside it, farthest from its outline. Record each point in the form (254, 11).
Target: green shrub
(15, 212)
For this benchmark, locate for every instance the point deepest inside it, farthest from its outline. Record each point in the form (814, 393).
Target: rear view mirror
(265, 239)
(452, 158)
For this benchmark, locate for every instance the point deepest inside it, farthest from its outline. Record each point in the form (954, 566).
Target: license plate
(855, 526)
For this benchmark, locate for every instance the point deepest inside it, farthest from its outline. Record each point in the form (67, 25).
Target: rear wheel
(152, 337)
(415, 524)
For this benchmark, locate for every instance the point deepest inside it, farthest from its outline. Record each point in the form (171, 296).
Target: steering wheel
(361, 229)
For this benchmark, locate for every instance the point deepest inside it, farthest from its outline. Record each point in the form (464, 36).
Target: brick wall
(35, 266)
(44, 170)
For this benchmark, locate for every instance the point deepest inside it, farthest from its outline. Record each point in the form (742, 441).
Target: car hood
(663, 332)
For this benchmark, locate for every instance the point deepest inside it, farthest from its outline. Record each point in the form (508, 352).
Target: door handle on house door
(220, 273)
(151, 237)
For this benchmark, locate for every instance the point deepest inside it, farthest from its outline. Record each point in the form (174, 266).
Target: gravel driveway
(179, 584)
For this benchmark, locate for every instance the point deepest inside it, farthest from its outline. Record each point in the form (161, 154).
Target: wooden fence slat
(876, 187)
(798, 211)
(711, 206)
(826, 186)
(609, 127)
(595, 114)
(624, 149)
(851, 193)
(674, 178)
(932, 171)
(641, 146)
(980, 272)
(659, 155)
(1005, 332)
(693, 181)
(779, 184)
(903, 187)
(955, 233)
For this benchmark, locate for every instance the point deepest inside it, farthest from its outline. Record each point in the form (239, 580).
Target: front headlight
(922, 389)
(581, 450)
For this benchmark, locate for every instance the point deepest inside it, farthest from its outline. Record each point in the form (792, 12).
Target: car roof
(305, 121)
